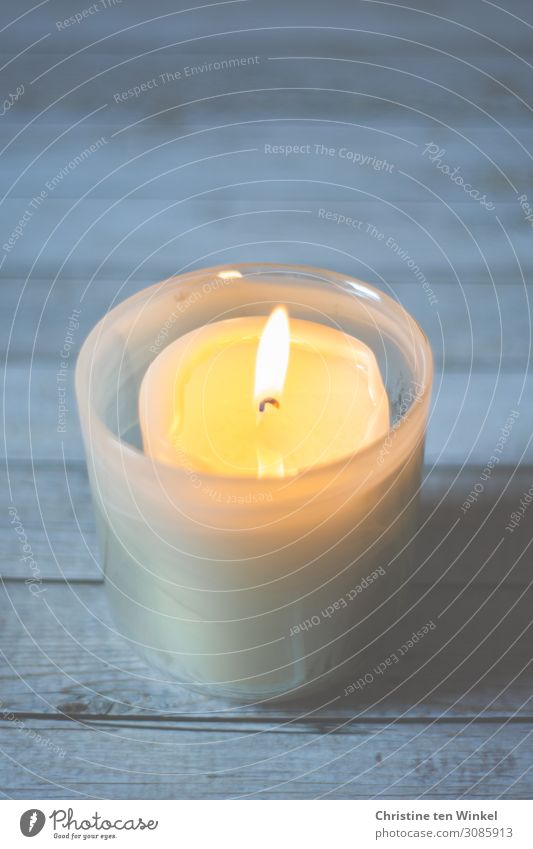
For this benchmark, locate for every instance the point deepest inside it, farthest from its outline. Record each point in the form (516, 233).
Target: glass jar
(250, 588)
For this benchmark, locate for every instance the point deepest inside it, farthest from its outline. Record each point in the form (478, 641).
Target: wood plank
(428, 19)
(62, 655)
(102, 760)
(489, 329)
(456, 717)
(54, 506)
(268, 222)
(490, 160)
(429, 83)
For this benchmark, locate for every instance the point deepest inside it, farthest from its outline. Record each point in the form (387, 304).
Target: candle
(259, 398)
(255, 478)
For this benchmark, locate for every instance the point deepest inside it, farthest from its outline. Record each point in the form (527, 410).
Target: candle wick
(265, 401)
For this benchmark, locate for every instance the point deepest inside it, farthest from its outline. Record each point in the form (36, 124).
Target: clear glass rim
(98, 430)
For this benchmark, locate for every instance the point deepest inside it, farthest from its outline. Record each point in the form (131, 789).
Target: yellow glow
(272, 357)
(269, 463)
(230, 274)
(198, 410)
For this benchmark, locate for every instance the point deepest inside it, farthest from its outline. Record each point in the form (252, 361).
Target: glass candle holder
(265, 588)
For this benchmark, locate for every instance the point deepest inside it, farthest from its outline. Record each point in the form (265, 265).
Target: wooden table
(178, 176)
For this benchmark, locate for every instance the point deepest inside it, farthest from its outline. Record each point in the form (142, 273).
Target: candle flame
(272, 358)
(270, 373)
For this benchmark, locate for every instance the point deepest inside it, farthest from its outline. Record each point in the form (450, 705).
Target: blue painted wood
(376, 112)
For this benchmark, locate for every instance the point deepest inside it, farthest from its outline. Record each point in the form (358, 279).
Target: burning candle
(249, 397)
(255, 477)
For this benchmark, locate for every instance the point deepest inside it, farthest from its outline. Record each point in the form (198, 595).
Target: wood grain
(183, 179)
(143, 237)
(457, 28)
(491, 159)
(169, 761)
(430, 83)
